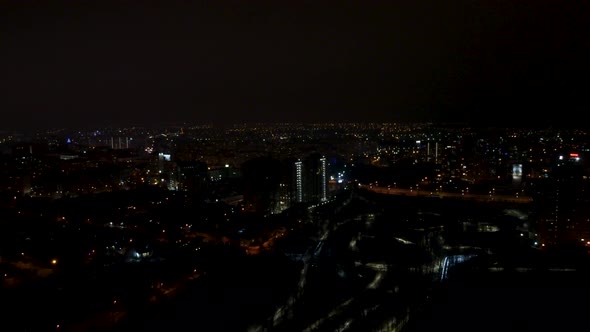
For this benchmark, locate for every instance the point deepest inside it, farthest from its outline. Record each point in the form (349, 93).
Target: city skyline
(313, 226)
(89, 64)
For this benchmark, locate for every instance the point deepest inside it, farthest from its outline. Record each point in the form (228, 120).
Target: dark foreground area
(508, 301)
(237, 293)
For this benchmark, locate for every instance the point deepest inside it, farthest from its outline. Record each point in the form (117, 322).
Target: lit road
(379, 303)
(340, 310)
(441, 194)
(285, 312)
(343, 315)
(358, 307)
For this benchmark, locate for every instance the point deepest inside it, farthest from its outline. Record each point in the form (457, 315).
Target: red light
(573, 154)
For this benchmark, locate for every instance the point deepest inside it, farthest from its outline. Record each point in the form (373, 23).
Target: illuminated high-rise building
(298, 181)
(310, 181)
(323, 179)
(120, 143)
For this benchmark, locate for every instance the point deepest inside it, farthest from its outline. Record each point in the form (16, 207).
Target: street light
(113, 314)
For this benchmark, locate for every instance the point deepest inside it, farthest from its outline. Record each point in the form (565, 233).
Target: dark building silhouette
(192, 175)
(29, 150)
(564, 204)
(261, 182)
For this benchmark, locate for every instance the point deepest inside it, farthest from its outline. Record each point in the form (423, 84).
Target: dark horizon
(446, 124)
(221, 125)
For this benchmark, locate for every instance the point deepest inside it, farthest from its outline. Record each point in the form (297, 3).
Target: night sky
(83, 63)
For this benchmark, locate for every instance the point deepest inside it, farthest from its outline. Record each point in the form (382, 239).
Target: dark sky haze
(84, 63)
